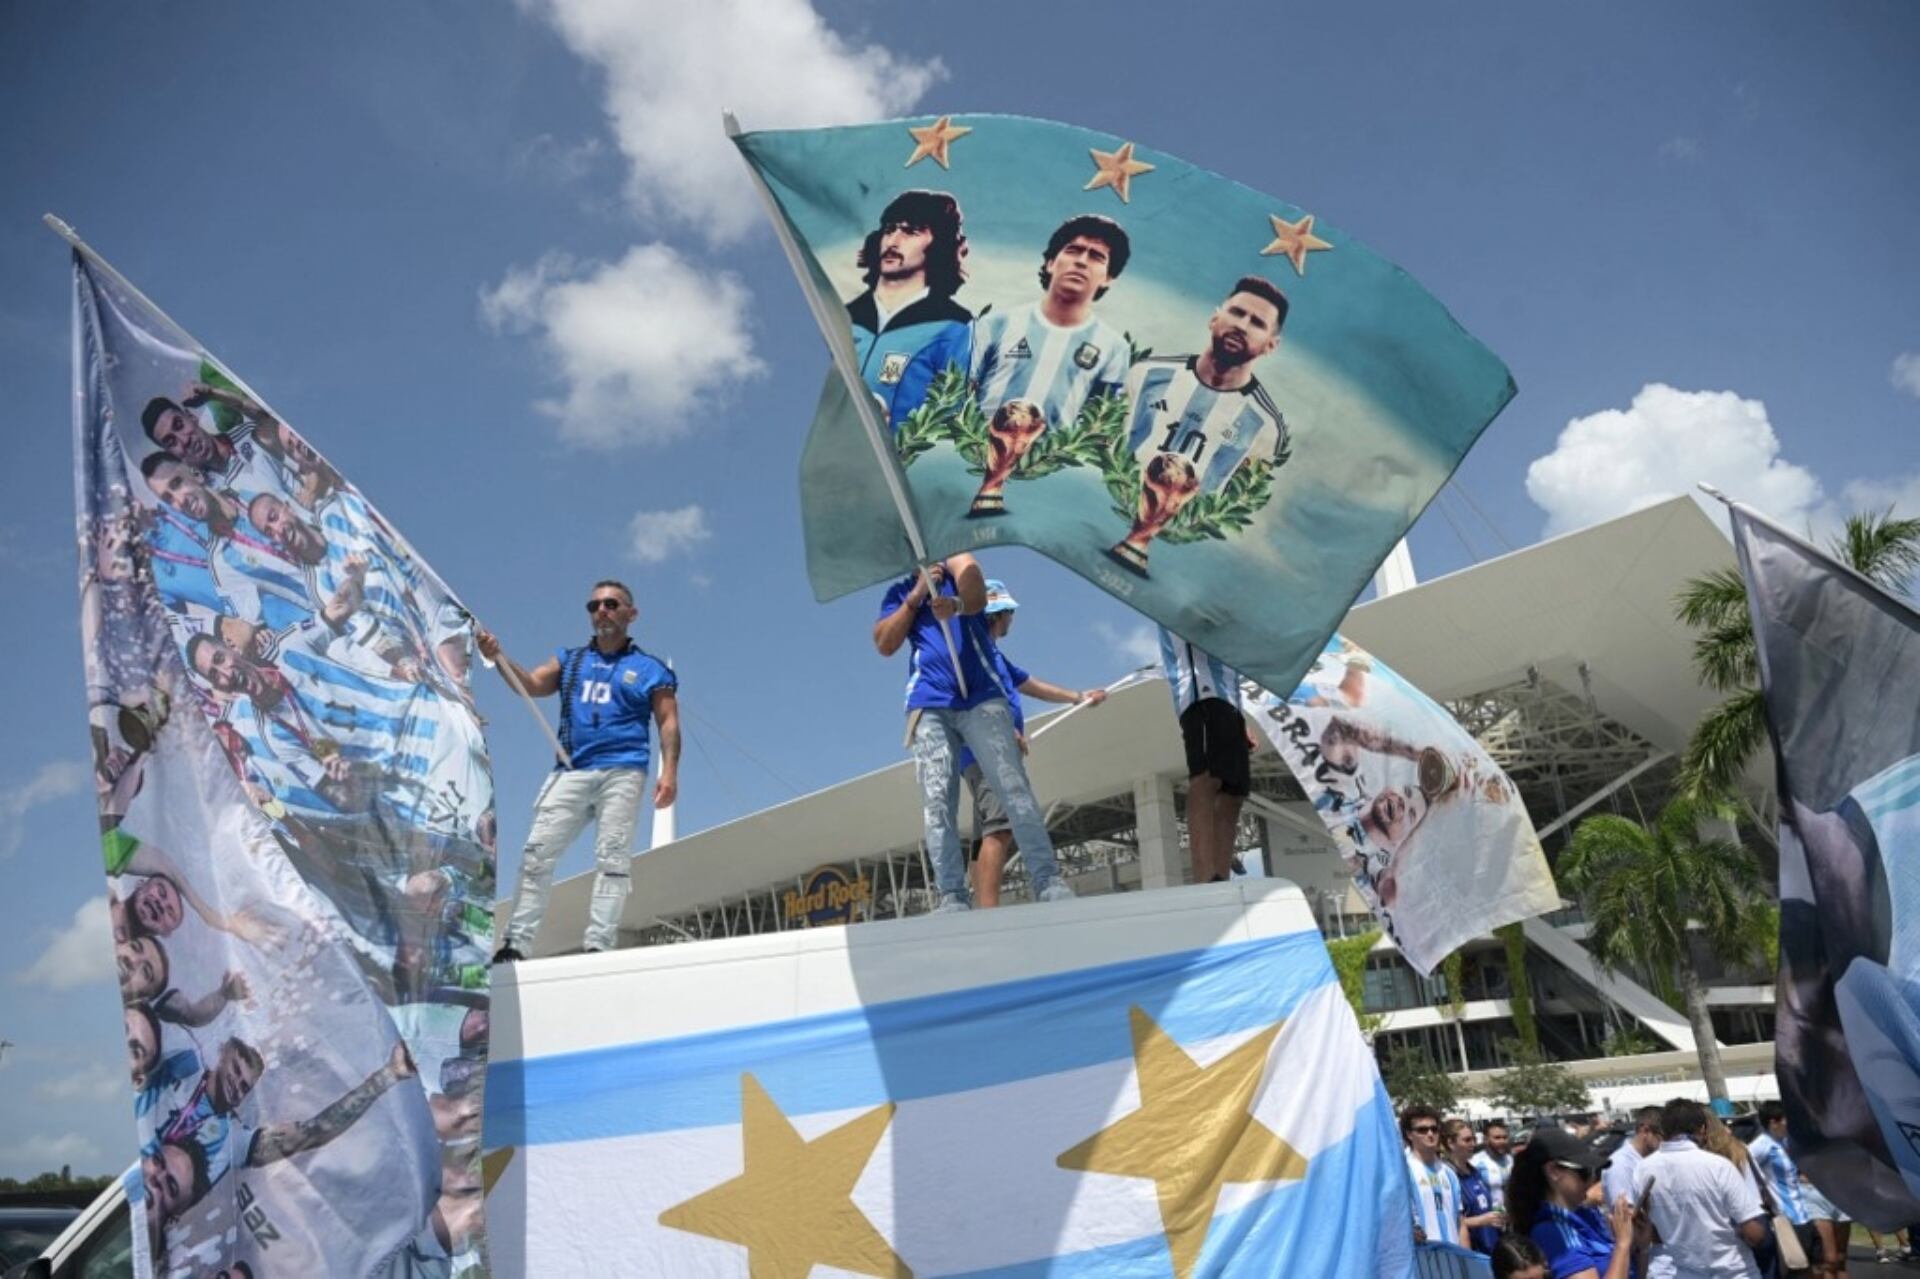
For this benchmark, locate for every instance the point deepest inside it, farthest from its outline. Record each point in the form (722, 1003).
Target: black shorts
(1216, 739)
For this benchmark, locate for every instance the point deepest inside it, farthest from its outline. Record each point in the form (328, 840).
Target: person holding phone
(1547, 1201)
(1707, 1215)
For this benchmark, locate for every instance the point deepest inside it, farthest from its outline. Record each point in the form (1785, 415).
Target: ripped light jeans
(568, 800)
(988, 730)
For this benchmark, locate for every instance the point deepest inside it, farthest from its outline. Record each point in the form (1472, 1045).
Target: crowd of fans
(1675, 1195)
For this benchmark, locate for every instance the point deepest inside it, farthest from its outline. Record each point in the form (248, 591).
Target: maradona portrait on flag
(1434, 832)
(297, 822)
(1170, 383)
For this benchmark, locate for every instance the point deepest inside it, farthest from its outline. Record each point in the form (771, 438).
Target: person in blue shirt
(1479, 1212)
(609, 691)
(1547, 1201)
(952, 704)
(990, 824)
(907, 329)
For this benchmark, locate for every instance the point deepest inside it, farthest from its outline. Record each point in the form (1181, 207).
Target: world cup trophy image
(1168, 484)
(1015, 427)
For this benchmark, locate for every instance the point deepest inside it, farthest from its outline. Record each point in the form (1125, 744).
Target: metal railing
(1449, 1261)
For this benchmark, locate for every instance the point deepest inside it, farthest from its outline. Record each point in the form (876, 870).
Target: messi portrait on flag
(1172, 384)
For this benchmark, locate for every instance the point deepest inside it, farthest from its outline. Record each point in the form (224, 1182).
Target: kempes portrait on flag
(1199, 397)
(297, 821)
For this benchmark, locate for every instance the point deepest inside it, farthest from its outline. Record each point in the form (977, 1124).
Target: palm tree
(1877, 546)
(1645, 889)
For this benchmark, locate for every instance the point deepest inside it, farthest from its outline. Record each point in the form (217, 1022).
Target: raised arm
(198, 1012)
(666, 713)
(542, 681)
(891, 631)
(969, 582)
(283, 1141)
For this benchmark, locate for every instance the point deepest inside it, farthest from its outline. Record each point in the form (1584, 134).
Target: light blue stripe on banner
(903, 1050)
(1316, 1226)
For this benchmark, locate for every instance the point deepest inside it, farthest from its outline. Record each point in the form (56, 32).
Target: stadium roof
(1602, 596)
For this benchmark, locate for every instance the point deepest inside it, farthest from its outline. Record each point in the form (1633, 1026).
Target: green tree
(1877, 546)
(1535, 1086)
(1513, 936)
(1349, 955)
(1647, 889)
(1412, 1079)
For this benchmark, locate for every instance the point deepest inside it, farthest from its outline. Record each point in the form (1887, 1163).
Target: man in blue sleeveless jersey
(948, 708)
(1206, 698)
(609, 691)
(907, 329)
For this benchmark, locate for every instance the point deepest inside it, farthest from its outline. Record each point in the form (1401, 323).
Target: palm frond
(1726, 738)
(1712, 600)
(1881, 547)
(1726, 657)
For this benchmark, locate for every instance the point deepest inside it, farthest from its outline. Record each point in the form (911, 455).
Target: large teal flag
(1202, 398)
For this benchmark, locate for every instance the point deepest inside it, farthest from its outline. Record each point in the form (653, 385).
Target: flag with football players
(296, 815)
(1439, 844)
(1216, 407)
(1840, 668)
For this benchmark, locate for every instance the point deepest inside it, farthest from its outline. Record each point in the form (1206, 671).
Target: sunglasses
(595, 606)
(1425, 1128)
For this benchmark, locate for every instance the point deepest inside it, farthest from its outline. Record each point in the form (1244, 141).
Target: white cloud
(94, 1081)
(548, 156)
(79, 954)
(1680, 149)
(1901, 494)
(655, 535)
(54, 781)
(1621, 460)
(1906, 372)
(646, 347)
(671, 69)
(1135, 646)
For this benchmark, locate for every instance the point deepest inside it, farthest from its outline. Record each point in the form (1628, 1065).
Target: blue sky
(498, 263)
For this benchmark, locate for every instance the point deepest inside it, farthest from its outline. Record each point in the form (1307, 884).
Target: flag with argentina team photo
(1206, 400)
(296, 809)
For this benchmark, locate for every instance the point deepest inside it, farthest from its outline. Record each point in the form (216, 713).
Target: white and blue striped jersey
(1173, 411)
(1783, 1176)
(1193, 674)
(1019, 355)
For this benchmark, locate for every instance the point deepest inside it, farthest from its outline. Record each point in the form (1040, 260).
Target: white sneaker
(1057, 891)
(950, 904)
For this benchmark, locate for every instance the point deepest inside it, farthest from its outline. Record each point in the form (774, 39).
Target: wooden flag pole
(835, 333)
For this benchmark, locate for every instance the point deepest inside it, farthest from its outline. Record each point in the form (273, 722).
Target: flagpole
(1759, 517)
(863, 405)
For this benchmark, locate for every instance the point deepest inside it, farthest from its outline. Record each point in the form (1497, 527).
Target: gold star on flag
(1116, 169)
(1294, 240)
(792, 1205)
(1194, 1133)
(934, 139)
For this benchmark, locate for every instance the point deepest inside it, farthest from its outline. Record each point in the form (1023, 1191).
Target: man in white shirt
(1617, 1180)
(1495, 1159)
(1707, 1215)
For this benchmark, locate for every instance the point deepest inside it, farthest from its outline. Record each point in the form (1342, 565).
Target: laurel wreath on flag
(951, 414)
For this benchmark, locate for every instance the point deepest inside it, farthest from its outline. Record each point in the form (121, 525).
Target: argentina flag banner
(1000, 1095)
(296, 814)
(1207, 401)
(1839, 663)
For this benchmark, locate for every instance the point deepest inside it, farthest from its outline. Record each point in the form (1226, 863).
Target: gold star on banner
(934, 139)
(1194, 1133)
(792, 1205)
(1116, 169)
(1294, 240)
(492, 1165)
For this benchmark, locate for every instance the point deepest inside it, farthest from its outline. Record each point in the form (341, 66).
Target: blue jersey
(900, 357)
(1011, 678)
(1783, 1176)
(606, 705)
(1573, 1241)
(1172, 411)
(1021, 355)
(1476, 1200)
(930, 680)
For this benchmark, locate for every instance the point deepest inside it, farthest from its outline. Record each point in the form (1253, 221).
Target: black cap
(1562, 1147)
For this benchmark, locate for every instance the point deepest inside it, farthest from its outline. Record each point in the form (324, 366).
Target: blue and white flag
(297, 822)
(1206, 1112)
(1439, 844)
(1212, 405)
(1840, 666)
